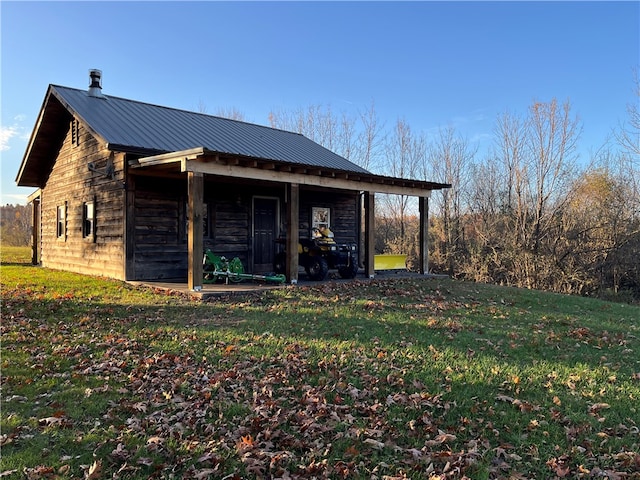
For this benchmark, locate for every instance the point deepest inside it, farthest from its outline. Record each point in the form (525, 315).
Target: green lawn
(392, 378)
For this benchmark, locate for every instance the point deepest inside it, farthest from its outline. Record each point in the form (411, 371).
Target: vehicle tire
(351, 270)
(317, 268)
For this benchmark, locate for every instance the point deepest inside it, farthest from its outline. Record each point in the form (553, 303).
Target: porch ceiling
(207, 162)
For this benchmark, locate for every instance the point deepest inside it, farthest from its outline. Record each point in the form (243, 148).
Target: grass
(392, 378)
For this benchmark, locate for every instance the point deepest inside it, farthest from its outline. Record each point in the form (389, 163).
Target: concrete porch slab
(210, 291)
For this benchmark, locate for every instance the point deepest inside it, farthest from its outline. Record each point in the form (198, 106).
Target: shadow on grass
(491, 355)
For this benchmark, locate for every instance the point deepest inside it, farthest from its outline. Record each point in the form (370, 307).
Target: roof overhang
(44, 143)
(46, 139)
(200, 160)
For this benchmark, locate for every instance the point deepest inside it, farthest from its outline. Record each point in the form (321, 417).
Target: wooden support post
(36, 226)
(195, 240)
(293, 232)
(423, 203)
(130, 229)
(369, 233)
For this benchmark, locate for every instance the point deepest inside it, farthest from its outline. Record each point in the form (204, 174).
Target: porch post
(195, 189)
(423, 203)
(369, 233)
(293, 233)
(130, 229)
(35, 232)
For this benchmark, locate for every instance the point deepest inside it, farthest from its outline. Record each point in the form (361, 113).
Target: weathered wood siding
(160, 219)
(229, 209)
(344, 213)
(230, 214)
(71, 183)
(161, 228)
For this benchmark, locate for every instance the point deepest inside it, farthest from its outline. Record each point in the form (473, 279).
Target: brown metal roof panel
(143, 126)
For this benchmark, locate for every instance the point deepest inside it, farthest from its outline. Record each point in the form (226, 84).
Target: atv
(321, 253)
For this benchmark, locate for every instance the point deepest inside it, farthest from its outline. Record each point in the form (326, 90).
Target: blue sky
(432, 64)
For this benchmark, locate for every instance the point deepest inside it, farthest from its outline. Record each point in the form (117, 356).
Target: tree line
(528, 213)
(15, 225)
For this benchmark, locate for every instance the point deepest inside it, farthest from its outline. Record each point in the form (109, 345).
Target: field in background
(19, 255)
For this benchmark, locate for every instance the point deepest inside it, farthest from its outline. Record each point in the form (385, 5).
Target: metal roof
(132, 126)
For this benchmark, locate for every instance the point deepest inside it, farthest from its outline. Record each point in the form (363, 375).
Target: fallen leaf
(205, 473)
(94, 470)
(351, 450)
(504, 398)
(596, 407)
(38, 472)
(57, 421)
(155, 439)
(374, 443)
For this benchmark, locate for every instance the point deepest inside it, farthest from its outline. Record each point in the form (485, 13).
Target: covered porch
(194, 165)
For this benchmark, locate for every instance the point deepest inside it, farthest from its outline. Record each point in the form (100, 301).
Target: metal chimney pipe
(95, 87)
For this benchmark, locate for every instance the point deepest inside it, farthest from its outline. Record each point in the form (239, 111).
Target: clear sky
(432, 64)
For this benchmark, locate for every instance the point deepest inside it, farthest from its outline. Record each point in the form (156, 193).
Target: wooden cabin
(136, 191)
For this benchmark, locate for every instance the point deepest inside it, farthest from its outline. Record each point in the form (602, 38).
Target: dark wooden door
(265, 223)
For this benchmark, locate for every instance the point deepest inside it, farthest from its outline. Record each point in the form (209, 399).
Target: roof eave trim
(142, 151)
(32, 138)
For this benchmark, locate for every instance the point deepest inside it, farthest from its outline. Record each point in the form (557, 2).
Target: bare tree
(517, 197)
(510, 139)
(488, 222)
(450, 158)
(628, 137)
(320, 124)
(536, 156)
(405, 152)
(231, 113)
(370, 140)
(551, 140)
(202, 107)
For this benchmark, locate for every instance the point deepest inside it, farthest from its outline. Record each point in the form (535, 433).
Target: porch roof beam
(199, 160)
(299, 178)
(167, 158)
